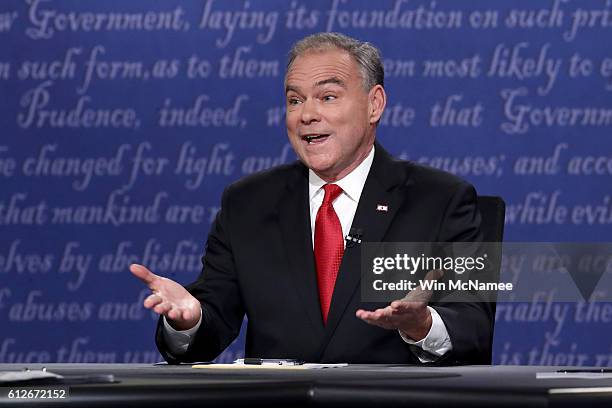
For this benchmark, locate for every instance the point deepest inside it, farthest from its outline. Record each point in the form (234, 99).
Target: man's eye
(293, 101)
(329, 97)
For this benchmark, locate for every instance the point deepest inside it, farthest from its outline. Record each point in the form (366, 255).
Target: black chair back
(492, 212)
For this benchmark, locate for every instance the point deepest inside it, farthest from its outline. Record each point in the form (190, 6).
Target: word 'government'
(522, 116)
(46, 22)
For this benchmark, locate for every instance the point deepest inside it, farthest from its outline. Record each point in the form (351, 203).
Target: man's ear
(377, 100)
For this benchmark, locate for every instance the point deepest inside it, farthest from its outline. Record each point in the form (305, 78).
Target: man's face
(329, 114)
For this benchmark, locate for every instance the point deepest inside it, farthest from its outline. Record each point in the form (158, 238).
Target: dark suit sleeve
(218, 291)
(469, 324)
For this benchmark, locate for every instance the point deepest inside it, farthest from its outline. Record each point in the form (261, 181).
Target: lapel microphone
(354, 237)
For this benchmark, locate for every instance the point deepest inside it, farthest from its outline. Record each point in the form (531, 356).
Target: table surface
(352, 386)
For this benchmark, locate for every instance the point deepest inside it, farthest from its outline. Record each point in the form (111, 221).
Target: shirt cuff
(178, 340)
(435, 344)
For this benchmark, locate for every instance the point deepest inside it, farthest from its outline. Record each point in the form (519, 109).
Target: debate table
(352, 386)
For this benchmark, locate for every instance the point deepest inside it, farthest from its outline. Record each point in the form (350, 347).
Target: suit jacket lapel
(294, 214)
(382, 187)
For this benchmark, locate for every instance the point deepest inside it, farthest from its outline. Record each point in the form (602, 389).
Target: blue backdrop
(121, 123)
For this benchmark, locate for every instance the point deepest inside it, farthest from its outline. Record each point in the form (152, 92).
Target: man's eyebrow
(332, 80)
(289, 88)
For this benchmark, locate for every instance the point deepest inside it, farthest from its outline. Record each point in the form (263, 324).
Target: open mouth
(315, 138)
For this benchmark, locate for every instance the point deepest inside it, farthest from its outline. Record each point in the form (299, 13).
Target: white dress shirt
(435, 344)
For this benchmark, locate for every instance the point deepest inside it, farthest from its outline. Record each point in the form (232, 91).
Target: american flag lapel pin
(382, 207)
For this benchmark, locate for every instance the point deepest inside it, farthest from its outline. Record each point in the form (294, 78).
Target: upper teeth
(310, 137)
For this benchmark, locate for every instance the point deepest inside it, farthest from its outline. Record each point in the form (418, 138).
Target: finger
(403, 306)
(145, 275)
(162, 308)
(187, 315)
(366, 314)
(362, 314)
(371, 315)
(173, 314)
(383, 313)
(434, 274)
(419, 294)
(379, 317)
(398, 305)
(379, 322)
(375, 318)
(368, 317)
(152, 301)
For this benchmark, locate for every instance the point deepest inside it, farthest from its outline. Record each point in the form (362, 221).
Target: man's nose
(310, 111)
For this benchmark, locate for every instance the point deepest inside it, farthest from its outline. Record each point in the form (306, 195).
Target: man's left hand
(409, 315)
(413, 319)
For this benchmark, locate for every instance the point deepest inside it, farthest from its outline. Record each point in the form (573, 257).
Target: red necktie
(328, 247)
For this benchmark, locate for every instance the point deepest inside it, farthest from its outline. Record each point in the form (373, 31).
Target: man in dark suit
(276, 251)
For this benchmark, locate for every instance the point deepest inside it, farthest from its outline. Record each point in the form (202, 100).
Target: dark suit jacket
(259, 261)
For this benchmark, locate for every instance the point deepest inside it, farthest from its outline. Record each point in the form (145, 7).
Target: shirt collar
(351, 184)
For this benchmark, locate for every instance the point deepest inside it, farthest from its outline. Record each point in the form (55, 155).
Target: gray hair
(365, 54)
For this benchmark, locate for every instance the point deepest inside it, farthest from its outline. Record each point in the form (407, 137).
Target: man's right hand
(169, 298)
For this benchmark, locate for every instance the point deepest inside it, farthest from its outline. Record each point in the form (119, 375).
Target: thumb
(145, 275)
(434, 274)
(421, 293)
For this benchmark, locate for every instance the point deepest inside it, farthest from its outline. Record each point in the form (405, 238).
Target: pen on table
(597, 370)
(262, 361)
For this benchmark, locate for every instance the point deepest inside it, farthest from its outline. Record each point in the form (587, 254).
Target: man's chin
(318, 163)
(323, 165)
(327, 173)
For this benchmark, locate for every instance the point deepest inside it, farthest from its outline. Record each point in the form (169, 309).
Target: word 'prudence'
(37, 113)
